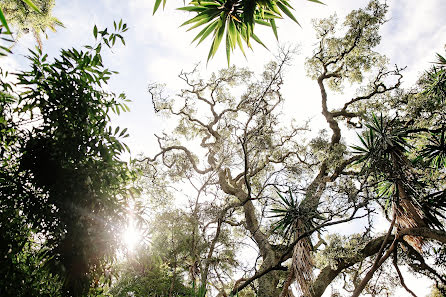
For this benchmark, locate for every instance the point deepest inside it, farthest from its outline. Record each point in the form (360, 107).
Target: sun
(131, 236)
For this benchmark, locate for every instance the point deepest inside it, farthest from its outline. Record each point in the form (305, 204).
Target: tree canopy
(238, 200)
(63, 184)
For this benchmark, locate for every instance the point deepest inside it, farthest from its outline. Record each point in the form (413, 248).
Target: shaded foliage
(63, 184)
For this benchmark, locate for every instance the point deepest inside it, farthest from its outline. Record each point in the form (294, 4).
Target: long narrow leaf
(273, 26)
(258, 40)
(32, 5)
(208, 31)
(287, 11)
(157, 5)
(217, 39)
(205, 29)
(3, 21)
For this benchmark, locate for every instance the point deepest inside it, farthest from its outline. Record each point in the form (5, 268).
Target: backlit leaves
(234, 20)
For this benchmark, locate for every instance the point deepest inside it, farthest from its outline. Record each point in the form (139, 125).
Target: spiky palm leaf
(435, 151)
(292, 216)
(235, 19)
(436, 84)
(294, 221)
(5, 37)
(383, 151)
(434, 206)
(382, 140)
(288, 213)
(436, 80)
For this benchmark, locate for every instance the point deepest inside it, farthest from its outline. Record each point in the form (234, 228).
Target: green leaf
(3, 21)
(286, 11)
(217, 39)
(193, 8)
(95, 31)
(157, 5)
(258, 40)
(317, 1)
(32, 5)
(273, 26)
(123, 132)
(206, 31)
(239, 42)
(232, 33)
(228, 48)
(208, 15)
(262, 22)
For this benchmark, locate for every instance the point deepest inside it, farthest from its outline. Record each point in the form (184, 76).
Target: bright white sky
(157, 50)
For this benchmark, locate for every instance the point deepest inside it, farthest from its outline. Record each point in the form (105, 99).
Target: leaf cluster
(234, 19)
(63, 178)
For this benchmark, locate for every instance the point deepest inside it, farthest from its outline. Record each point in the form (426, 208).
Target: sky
(157, 50)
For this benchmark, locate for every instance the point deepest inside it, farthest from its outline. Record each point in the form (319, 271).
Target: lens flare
(131, 236)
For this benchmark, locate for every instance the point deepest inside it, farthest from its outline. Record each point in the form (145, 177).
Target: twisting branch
(378, 261)
(395, 264)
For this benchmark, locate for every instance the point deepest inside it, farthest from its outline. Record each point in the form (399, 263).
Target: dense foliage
(235, 20)
(62, 182)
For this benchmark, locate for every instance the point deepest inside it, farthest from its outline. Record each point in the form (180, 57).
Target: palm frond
(382, 139)
(235, 19)
(435, 151)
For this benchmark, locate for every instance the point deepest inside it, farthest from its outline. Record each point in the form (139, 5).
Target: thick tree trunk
(267, 283)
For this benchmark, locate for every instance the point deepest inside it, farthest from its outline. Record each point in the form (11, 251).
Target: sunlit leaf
(3, 21)
(32, 5)
(157, 5)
